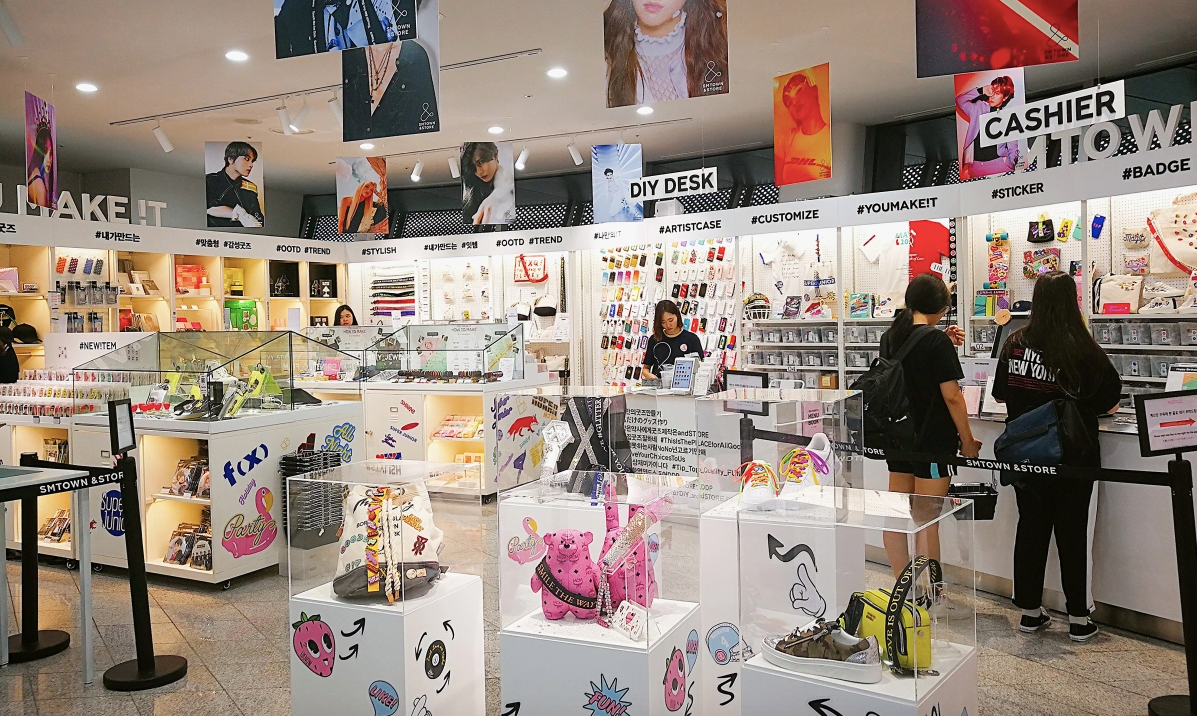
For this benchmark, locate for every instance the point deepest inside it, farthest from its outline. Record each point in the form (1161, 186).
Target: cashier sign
(1167, 422)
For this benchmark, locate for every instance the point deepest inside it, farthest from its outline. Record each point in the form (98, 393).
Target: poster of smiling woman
(662, 50)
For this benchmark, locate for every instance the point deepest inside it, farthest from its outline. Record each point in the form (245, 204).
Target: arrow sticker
(513, 709)
(359, 626)
(420, 645)
(446, 684)
(449, 628)
(352, 653)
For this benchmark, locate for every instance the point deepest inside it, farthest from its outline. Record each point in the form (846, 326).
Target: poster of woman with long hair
(802, 126)
(978, 94)
(487, 183)
(662, 50)
(362, 195)
(41, 152)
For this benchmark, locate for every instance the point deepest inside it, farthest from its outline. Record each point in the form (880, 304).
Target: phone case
(643, 342)
(702, 324)
(711, 254)
(660, 275)
(685, 288)
(731, 342)
(722, 325)
(1099, 223)
(74, 265)
(636, 372)
(660, 258)
(673, 258)
(702, 291)
(87, 266)
(693, 255)
(619, 311)
(611, 311)
(604, 342)
(636, 276)
(60, 265)
(676, 291)
(98, 267)
(693, 289)
(722, 342)
(619, 294)
(643, 260)
(719, 253)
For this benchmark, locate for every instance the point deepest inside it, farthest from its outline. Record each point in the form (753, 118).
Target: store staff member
(232, 197)
(668, 341)
(10, 366)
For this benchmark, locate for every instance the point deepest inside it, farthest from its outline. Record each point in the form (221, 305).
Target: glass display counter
(385, 590)
(448, 353)
(598, 596)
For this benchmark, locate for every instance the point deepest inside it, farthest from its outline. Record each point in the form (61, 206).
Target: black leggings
(1062, 507)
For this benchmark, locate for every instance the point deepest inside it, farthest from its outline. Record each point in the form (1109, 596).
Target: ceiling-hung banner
(802, 126)
(233, 181)
(958, 36)
(487, 183)
(613, 169)
(394, 89)
(663, 50)
(362, 195)
(978, 96)
(41, 152)
(305, 27)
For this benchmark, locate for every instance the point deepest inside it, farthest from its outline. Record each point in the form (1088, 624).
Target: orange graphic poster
(802, 126)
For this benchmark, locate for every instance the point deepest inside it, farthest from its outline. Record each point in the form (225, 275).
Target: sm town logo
(245, 465)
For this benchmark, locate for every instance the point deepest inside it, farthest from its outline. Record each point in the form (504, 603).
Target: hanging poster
(305, 27)
(234, 184)
(958, 36)
(394, 89)
(664, 50)
(362, 195)
(978, 94)
(41, 152)
(802, 126)
(487, 183)
(613, 169)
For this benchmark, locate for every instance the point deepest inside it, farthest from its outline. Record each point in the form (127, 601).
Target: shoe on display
(824, 649)
(944, 608)
(1159, 305)
(814, 464)
(1188, 307)
(758, 484)
(1030, 625)
(1160, 290)
(1082, 632)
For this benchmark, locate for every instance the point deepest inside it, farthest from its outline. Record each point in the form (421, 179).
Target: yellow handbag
(874, 613)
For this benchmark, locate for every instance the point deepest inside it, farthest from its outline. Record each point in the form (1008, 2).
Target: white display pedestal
(772, 691)
(423, 656)
(551, 668)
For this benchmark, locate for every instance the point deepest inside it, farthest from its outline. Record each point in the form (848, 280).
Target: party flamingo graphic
(529, 550)
(241, 538)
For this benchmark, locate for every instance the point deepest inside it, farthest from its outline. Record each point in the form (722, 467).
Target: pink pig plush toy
(567, 578)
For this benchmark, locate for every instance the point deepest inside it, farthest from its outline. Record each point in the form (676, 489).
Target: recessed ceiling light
(557, 73)
(366, 146)
(645, 110)
(86, 87)
(495, 130)
(236, 56)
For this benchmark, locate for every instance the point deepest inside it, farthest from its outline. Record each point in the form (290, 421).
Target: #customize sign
(41, 152)
(802, 126)
(957, 36)
(662, 50)
(613, 169)
(394, 89)
(305, 27)
(233, 181)
(979, 94)
(487, 183)
(362, 195)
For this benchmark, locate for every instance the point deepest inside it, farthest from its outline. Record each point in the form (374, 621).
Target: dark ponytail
(927, 294)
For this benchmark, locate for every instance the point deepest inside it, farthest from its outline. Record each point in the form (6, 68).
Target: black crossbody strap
(895, 634)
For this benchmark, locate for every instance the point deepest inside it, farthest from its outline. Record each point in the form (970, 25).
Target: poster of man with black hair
(234, 184)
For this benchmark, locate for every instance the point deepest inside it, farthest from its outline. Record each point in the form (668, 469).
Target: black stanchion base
(1169, 706)
(127, 677)
(49, 642)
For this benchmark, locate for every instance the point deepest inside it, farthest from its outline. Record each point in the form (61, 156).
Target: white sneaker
(1160, 290)
(758, 484)
(945, 608)
(815, 464)
(1188, 307)
(1159, 304)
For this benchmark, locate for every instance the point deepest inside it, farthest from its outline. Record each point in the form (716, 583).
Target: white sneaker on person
(1159, 305)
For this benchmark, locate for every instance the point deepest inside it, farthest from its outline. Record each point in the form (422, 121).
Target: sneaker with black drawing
(1032, 624)
(1082, 632)
(1159, 305)
(824, 649)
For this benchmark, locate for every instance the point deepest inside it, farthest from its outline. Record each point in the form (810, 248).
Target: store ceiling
(155, 57)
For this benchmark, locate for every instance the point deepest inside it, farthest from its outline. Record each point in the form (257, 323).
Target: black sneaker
(1030, 625)
(1082, 632)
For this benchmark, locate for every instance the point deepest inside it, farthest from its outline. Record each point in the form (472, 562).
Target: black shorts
(922, 470)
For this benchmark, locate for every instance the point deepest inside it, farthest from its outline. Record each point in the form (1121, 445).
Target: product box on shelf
(598, 596)
(386, 599)
(816, 621)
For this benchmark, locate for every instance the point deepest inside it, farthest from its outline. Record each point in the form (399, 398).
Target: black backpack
(887, 423)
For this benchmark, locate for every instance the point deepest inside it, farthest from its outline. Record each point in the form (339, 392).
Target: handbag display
(1041, 231)
(1173, 235)
(390, 544)
(875, 613)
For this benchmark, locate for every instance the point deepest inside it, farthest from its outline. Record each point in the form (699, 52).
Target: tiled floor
(238, 642)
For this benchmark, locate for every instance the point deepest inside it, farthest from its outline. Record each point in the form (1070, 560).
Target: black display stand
(32, 643)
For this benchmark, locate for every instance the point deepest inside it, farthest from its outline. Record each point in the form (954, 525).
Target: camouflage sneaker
(823, 649)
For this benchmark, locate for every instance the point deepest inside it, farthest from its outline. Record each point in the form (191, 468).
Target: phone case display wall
(741, 472)
(628, 282)
(597, 578)
(87, 293)
(847, 635)
(24, 286)
(395, 584)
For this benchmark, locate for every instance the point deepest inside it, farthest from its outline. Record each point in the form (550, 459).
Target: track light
(284, 120)
(573, 152)
(523, 160)
(334, 104)
(160, 134)
(454, 168)
(9, 26)
(301, 117)
(415, 173)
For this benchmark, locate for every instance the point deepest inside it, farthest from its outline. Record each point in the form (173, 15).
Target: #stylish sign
(669, 186)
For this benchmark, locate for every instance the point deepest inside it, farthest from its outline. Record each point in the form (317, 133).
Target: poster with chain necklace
(305, 27)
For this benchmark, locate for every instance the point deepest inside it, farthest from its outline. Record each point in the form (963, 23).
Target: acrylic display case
(598, 596)
(824, 553)
(448, 353)
(386, 590)
(213, 376)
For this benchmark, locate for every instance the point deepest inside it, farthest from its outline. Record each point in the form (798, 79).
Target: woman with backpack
(1055, 357)
(936, 407)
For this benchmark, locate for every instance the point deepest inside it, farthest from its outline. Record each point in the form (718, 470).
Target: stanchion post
(1180, 472)
(747, 435)
(32, 643)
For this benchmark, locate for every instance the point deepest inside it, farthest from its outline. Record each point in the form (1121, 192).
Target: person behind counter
(10, 366)
(344, 316)
(668, 341)
(932, 372)
(1054, 356)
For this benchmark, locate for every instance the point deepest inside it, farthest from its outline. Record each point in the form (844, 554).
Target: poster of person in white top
(613, 168)
(662, 50)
